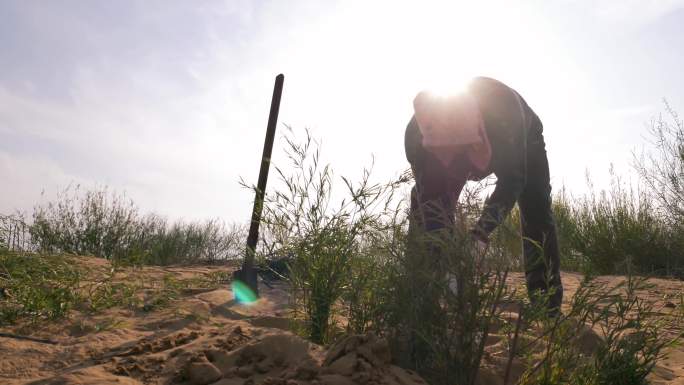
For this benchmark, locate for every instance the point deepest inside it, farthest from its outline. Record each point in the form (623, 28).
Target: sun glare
(448, 86)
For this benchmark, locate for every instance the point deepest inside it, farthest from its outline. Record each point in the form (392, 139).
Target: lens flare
(242, 292)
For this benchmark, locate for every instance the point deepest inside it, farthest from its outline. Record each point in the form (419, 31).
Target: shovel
(245, 286)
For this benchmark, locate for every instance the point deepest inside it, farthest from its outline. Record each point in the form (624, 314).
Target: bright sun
(448, 85)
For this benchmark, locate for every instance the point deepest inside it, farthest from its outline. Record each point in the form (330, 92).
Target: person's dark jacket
(511, 126)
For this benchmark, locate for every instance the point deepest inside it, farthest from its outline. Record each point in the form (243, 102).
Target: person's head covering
(452, 124)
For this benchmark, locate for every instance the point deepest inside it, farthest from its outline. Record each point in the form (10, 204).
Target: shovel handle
(253, 236)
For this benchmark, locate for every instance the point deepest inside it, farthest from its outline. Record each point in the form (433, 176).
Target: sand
(205, 337)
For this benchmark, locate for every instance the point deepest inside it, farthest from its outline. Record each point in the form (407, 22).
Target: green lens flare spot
(242, 292)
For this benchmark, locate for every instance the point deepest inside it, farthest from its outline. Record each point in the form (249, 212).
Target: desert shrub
(443, 297)
(630, 336)
(662, 168)
(14, 232)
(323, 235)
(602, 231)
(565, 214)
(210, 241)
(371, 279)
(84, 223)
(110, 225)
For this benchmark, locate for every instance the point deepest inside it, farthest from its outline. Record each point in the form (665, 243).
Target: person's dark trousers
(431, 218)
(540, 240)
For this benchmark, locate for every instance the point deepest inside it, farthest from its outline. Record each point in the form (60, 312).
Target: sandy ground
(205, 337)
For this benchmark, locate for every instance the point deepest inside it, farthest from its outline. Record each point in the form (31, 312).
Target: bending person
(489, 129)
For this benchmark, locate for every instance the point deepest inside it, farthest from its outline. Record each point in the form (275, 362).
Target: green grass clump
(37, 287)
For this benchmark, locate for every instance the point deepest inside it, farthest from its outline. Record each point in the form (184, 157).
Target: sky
(168, 101)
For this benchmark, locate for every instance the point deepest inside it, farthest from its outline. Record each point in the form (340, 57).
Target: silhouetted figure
(487, 130)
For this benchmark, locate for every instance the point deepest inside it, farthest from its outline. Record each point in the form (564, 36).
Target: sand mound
(364, 359)
(285, 359)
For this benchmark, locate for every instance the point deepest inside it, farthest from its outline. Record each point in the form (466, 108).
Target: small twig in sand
(27, 338)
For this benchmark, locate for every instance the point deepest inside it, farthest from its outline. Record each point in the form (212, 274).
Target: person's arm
(412, 141)
(512, 165)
